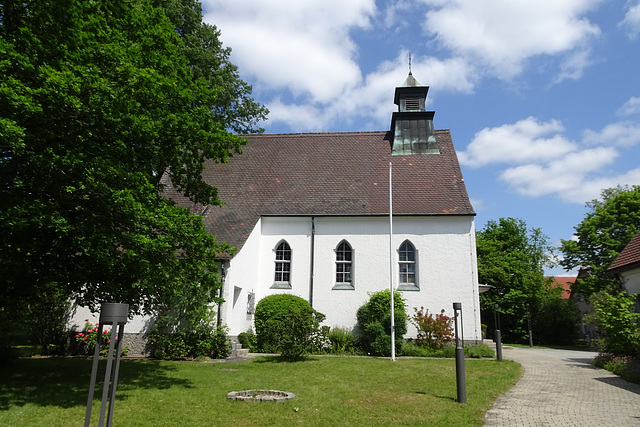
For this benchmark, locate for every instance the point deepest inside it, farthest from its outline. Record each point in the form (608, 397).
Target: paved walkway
(561, 388)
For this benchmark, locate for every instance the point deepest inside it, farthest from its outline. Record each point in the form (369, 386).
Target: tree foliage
(511, 259)
(615, 313)
(607, 228)
(103, 104)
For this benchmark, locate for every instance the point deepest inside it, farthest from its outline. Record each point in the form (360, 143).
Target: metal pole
(529, 322)
(496, 309)
(114, 386)
(460, 374)
(393, 326)
(114, 314)
(94, 374)
(107, 378)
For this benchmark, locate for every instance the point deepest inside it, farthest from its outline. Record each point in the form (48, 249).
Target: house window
(344, 266)
(407, 267)
(282, 279)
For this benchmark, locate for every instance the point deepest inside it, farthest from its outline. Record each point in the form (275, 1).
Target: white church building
(308, 214)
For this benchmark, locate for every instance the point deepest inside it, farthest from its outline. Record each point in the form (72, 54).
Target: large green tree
(511, 259)
(607, 228)
(102, 105)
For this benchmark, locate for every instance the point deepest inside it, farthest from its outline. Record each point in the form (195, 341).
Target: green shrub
(478, 351)
(411, 349)
(449, 351)
(248, 340)
(433, 331)
(615, 314)
(190, 345)
(320, 342)
(189, 332)
(627, 367)
(286, 324)
(45, 316)
(374, 321)
(88, 339)
(342, 340)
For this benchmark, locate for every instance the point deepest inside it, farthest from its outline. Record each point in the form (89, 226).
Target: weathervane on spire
(409, 62)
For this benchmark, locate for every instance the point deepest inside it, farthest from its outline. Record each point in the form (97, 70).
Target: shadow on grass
(280, 359)
(64, 382)
(439, 396)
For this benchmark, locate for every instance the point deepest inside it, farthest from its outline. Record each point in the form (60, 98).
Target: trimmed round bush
(286, 324)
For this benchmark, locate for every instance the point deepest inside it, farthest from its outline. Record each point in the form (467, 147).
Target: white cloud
(395, 12)
(540, 161)
(372, 100)
(631, 21)
(504, 34)
(574, 65)
(631, 107)
(625, 134)
(299, 117)
(301, 46)
(525, 141)
(565, 177)
(305, 49)
(622, 134)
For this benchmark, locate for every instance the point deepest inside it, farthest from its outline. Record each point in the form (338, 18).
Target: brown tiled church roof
(629, 257)
(330, 174)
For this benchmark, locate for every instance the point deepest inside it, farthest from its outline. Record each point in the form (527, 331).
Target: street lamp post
(496, 312)
(114, 314)
(460, 376)
(529, 323)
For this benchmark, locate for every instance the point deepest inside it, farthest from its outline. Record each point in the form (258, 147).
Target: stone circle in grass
(261, 395)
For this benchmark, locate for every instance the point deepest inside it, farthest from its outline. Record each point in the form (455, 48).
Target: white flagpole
(393, 328)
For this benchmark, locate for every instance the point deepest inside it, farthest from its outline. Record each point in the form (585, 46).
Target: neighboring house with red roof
(309, 215)
(565, 283)
(627, 267)
(587, 330)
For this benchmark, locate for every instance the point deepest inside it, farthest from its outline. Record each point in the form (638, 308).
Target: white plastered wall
(447, 269)
(80, 315)
(631, 280)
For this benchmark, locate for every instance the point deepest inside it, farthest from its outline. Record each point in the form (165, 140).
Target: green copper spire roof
(411, 81)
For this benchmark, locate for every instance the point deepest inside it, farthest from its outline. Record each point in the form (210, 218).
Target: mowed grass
(330, 391)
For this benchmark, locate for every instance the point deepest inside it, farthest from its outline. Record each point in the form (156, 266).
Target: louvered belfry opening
(412, 125)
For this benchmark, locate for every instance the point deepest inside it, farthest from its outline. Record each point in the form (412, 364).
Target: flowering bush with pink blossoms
(88, 339)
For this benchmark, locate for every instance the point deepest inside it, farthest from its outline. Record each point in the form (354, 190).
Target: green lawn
(356, 391)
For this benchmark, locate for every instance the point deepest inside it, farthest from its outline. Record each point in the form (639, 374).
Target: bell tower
(412, 125)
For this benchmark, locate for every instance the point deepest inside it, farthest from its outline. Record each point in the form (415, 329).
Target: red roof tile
(342, 174)
(629, 257)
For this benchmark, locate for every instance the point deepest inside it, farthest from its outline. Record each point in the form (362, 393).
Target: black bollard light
(460, 376)
(110, 314)
(496, 311)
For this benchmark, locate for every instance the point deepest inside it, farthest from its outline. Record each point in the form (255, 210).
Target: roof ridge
(297, 134)
(290, 135)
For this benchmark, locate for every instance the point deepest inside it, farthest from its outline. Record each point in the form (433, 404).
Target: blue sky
(542, 97)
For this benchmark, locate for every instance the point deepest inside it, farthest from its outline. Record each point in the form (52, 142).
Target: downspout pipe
(312, 263)
(223, 274)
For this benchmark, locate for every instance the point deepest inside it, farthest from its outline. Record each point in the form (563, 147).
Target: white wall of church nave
(446, 266)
